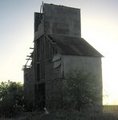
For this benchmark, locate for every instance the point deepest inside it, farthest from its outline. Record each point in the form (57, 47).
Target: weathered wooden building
(58, 48)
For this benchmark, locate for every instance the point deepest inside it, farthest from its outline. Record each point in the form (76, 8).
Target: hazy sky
(99, 23)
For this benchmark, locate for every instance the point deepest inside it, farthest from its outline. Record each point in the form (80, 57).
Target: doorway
(40, 96)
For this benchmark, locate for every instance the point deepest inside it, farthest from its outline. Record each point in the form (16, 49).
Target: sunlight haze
(99, 27)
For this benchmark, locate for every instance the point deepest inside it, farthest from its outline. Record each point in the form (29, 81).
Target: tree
(79, 89)
(11, 97)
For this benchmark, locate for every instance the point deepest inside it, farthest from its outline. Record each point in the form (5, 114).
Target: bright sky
(99, 23)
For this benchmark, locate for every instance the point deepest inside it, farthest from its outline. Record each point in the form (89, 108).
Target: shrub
(79, 89)
(11, 98)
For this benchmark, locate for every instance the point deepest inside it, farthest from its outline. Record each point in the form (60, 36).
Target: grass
(64, 115)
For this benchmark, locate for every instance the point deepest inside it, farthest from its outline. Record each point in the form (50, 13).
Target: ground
(63, 115)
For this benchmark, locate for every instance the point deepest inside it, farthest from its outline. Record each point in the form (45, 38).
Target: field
(63, 115)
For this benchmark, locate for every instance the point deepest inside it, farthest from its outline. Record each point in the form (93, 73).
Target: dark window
(54, 50)
(38, 50)
(42, 70)
(46, 48)
(42, 48)
(38, 72)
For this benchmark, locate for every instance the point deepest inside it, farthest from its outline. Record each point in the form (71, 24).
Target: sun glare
(108, 47)
(110, 82)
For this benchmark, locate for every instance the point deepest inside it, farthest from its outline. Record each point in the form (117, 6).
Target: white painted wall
(82, 63)
(85, 64)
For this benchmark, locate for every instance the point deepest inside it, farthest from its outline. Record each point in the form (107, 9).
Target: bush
(11, 98)
(80, 89)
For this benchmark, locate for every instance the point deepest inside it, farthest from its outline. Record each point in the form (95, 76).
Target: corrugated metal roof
(74, 46)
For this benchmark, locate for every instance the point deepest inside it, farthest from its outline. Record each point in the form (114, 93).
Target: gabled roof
(74, 46)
